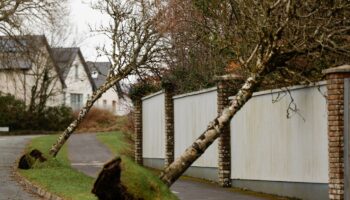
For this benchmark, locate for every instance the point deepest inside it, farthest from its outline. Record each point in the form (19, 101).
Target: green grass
(141, 182)
(56, 175)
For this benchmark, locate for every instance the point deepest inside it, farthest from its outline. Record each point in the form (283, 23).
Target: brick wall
(138, 131)
(169, 125)
(335, 98)
(226, 86)
(225, 137)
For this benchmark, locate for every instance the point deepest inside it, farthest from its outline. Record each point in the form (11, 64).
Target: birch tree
(270, 37)
(138, 43)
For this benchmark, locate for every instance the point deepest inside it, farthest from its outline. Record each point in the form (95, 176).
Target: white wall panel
(153, 126)
(192, 114)
(268, 146)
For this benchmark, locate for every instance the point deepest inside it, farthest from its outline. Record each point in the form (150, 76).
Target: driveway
(88, 155)
(11, 147)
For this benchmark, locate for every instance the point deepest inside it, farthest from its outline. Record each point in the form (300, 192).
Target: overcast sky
(81, 16)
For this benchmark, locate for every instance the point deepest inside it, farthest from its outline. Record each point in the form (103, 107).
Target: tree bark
(180, 165)
(82, 114)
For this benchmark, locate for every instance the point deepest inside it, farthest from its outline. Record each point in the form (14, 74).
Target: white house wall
(13, 83)
(122, 106)
(153, 127)
(266, 145)
(81, 85)
(192, 113)
(20, 82)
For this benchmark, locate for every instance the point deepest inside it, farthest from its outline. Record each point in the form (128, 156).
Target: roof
(19, 47)
(14, 51)
(64, 58)
(102, 68)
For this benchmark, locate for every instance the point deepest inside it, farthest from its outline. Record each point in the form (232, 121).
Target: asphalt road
(88, 155)
(11, 147)
(192, 190)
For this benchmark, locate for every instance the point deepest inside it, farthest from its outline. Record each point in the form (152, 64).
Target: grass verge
(141, 182)
(56, 175)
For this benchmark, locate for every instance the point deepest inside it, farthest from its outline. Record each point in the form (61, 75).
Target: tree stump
(27, 160)
(108, 186)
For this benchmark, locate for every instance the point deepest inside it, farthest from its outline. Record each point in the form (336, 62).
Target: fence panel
(266, 145)
(192, 114)
(153, 126)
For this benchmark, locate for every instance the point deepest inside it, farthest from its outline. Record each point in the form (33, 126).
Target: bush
(126, 124)
(13, 114)
(98, 120)
(12, 111)
(56, 118)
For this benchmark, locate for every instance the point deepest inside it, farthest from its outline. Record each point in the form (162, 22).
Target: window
(64, 98)
(94, 74)
(76, 101)
(114, 106)
(104, 103)
(76, 72)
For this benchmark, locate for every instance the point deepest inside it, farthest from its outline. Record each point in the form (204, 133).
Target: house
(28, 71)
(76, 76)
(25, 61)
(110, 99)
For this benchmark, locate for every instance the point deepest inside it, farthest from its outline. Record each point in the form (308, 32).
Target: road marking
(94, 163)
(175, 192)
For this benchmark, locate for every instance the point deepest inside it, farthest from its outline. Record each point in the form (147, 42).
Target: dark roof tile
(102, 68)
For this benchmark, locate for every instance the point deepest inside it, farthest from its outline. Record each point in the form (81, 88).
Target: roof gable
(64, 57)
(103, 69)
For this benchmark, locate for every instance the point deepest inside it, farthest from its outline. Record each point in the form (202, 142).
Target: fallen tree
(274, 42)
(137, 45)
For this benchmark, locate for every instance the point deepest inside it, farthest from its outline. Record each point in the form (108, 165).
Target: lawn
(56, 175)
(140, 181)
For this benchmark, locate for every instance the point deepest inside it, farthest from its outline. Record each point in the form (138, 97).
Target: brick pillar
(225, 89)
(169, 125)
(335, 98)
(138, 130)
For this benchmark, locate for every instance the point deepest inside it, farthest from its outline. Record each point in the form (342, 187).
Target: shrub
(142, 88)
(56, 118)
(12, 111)
(98, 120)
(13, 114)
(126, 124)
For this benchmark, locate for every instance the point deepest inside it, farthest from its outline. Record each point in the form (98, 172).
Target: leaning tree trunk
(180, 165)
(82, 114)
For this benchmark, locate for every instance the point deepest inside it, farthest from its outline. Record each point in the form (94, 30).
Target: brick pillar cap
(340, 69)
(228, 77)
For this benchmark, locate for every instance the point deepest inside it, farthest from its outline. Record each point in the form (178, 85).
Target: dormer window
(94, 74)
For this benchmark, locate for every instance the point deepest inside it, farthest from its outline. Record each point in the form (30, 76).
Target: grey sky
(81, 16)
